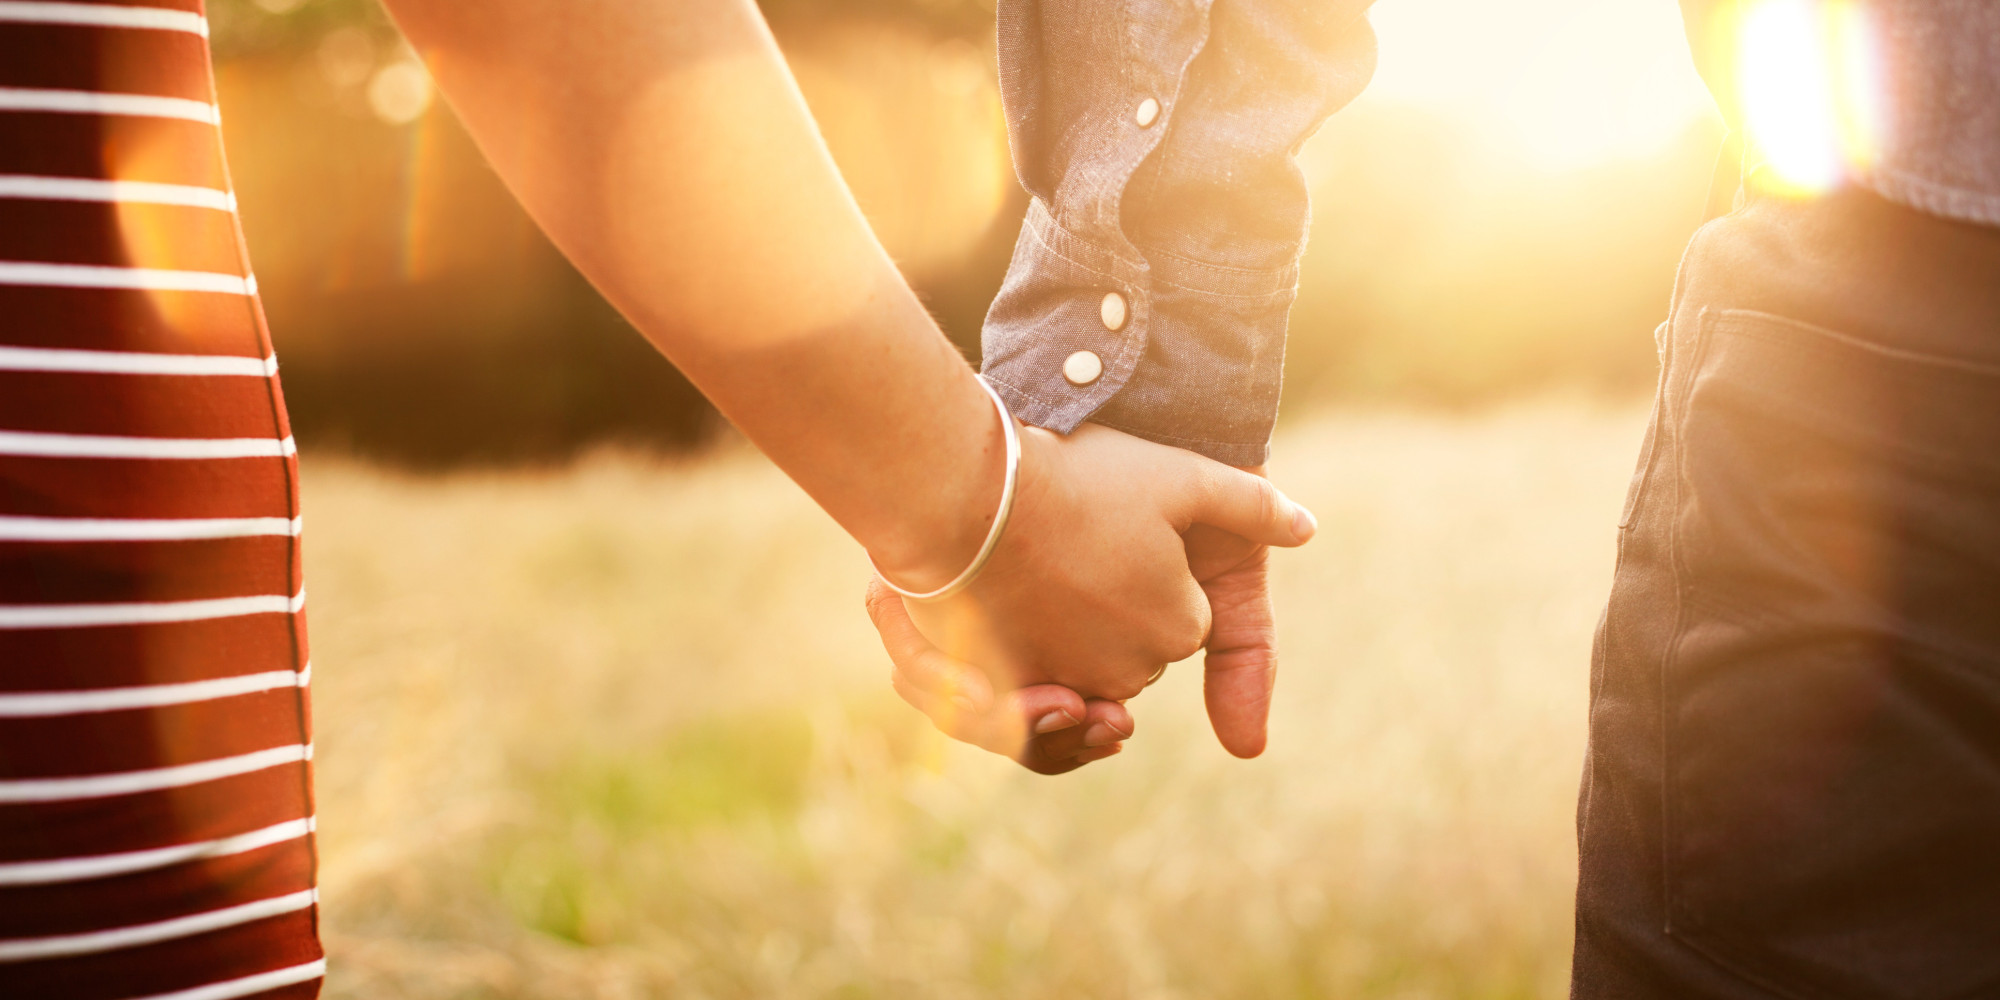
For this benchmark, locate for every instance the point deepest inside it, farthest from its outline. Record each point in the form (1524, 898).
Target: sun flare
(1807, 76)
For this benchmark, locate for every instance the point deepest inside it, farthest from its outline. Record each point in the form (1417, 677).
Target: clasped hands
(1121, 556)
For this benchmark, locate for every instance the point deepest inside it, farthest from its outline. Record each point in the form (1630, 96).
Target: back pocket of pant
(1833, 695)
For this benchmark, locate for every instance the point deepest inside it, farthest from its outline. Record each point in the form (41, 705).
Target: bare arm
(666, 150)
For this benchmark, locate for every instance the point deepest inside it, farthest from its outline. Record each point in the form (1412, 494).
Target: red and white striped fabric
(156, 819)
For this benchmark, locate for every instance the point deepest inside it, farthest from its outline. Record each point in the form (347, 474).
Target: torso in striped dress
(155, 791)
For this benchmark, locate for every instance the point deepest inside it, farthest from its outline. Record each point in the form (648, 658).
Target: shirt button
(1147, 111)
(1082, 368)
(1112, 311)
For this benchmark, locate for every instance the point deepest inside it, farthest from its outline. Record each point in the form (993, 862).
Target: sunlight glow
(1809, 85)
(1557, 84)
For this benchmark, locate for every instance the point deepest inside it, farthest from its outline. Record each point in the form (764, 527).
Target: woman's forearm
(665, 149)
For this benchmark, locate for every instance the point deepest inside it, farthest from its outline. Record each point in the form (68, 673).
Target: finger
(1064, 765)
(1248, 505)
(1030, 713)
(1006, 730)
(1242, 662)
(921, 663)
(1237, 689)
(949, 718)
(1044, 708)
(1049, 767)
(1105, 723)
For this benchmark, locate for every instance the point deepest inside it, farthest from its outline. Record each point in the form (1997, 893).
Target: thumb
(1249, 506)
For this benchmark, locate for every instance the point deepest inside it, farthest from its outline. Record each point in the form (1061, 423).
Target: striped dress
(155, 793)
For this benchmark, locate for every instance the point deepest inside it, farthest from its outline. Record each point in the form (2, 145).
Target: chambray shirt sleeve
(1195, 218)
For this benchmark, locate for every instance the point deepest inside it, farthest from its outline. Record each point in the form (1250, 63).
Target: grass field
(622, 731)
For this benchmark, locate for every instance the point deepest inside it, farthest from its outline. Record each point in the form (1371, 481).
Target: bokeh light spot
(346, 56)
(400, 92)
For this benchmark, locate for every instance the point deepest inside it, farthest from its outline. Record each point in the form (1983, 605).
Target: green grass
(622, 731)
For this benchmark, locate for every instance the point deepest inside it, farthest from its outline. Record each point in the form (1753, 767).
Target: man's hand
(1033, 723)
(1241, 667)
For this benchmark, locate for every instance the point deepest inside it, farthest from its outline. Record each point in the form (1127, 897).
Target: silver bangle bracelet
(1013, 475)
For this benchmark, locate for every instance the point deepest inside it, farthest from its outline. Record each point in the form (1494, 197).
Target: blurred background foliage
(422, 319)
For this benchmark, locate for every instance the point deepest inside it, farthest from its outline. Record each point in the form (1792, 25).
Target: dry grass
(622, 731)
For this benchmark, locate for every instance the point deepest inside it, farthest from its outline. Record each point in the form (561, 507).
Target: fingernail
(965, 704)
(1101, 733)
(1088, 756)
(1053, 721)
(1304, 524)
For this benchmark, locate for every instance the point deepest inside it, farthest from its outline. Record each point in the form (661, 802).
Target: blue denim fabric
(1198, 220)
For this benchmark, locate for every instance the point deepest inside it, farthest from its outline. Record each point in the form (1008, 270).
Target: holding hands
(1121, 556)
(672, 158)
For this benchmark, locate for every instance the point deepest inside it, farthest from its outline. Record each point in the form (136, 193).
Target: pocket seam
(1692, 936)
(1676, 559)
(1649, 449)
(1756, 324)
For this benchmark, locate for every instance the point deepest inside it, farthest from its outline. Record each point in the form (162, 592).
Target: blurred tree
(422, 318)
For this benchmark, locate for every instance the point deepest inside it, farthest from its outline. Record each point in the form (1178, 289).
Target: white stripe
(90, 529)
(97, 786)
(103, 15)
(103, 446)
(248, 985)
(78, 869)
(25, 949)
(96, 276)
(57, 359)
(131, 192)
(41, 704)
(91, 102)
(26, 616)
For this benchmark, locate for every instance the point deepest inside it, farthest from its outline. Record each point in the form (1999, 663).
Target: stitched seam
(1031, 395)
(1751, 330)
(1676, 559)
(1131, 341)
(1041, 241)
(1279, 293)
(1744, 968)
(1219, 268)
(1157, 151)
(1177, 439)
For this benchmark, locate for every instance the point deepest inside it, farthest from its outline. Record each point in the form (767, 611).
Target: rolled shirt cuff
(1197, 364)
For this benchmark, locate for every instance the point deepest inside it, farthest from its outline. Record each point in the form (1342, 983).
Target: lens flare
(1810, 92)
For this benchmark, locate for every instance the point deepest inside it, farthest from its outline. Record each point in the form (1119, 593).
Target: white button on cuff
(1112, 312)
(1146, 113)
(1082, 368)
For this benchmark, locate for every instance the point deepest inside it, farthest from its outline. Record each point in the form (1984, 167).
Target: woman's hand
(1091, 588)
(1047, 728)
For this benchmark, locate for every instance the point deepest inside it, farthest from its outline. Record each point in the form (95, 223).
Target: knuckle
(1179, 644)
(876, 599)
(1123, 690)
(1267, 501)
(1185, 645)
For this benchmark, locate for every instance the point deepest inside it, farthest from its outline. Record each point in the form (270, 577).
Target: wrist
(952, 523)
